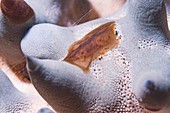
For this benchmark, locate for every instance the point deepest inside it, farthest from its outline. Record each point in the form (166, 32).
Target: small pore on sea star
(99, 41)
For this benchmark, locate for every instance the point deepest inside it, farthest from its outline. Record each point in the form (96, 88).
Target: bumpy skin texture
(72, 91)
(14, 101)
(130, 78)
(150, 59)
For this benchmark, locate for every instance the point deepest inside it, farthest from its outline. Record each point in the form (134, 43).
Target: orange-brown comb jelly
(96, 43)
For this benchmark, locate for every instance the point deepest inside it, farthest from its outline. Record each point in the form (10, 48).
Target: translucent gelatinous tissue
(94, 44)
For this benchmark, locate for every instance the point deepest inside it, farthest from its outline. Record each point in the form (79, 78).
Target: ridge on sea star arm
(14, 101)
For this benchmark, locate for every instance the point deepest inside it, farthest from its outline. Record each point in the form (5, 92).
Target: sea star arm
(149, 52)
(68, 91)
(12, 100)
(55, 40)
(16, 17)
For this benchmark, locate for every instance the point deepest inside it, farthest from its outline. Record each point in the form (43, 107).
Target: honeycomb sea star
(133, 77)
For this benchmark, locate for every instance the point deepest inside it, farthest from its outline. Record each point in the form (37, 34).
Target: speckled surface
(125, 79)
